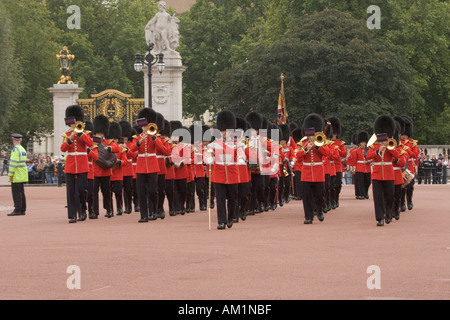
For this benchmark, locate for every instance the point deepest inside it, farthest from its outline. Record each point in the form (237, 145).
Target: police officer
(18, 175)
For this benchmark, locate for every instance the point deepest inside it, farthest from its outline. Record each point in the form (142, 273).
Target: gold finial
(65, 59)
(282, 77)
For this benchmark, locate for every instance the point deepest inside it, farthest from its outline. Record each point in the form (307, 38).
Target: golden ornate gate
(113, 104)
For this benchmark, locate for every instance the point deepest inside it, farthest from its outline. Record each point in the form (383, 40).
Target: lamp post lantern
(149, 60)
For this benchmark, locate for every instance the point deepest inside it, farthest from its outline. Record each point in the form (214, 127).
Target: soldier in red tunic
(362, 166)
(127, 167)
(339, 145)
(383, 170)
(77, 164)
(313, 175)
(287, 160)
(399, 166)
(147, 165)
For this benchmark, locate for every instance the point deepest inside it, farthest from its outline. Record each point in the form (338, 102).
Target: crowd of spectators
(45, 170)
(432, 169)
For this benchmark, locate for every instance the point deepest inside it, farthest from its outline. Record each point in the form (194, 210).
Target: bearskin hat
(314, 120)
(159, 121)
(408, 127)
(363, 136)
(329, 133)
(101, 124)
(241, 123)
(265, 123)
(126, 128)
(166, 130)
(384, 124)
(293, 126)
(285, 132)
(355, 138)
(138, 129)
(226, 120)
(255, 120)
(335, 125)
(398, 131)
(174, 125)
(183, 133)
(88, 126)
(148, 114)
(115, 131)
(133, 132)
(75, 111)
(196, 133)
(297, 134)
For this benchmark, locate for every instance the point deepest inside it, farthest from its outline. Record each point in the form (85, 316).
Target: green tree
(332, 64)
(208, 32)
(36, 43)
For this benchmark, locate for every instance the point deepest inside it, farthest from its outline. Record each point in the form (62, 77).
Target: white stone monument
(167, 88)
(64, 95)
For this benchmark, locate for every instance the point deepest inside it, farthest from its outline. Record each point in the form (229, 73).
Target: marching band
(247, 165)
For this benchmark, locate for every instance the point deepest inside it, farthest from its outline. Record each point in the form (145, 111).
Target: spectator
(439, 170)
(421, 171)
(48, 170)
(427, 169)
(31, 168)
(5, 164)
(445, 168)
(434, 163)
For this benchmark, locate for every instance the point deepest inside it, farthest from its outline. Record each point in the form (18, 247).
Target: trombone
(319, 140)
(79, 127)
(152, 129)
(391, 144)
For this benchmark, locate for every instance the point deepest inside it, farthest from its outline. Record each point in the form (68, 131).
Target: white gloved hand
(241, 161)
(292, 164)
(209, 160)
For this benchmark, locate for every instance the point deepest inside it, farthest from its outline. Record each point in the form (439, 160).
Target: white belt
(363, 162)
(146, 155)
(90, 163)
(226, 164)
(312, 164)
(130, 160)
(412, 159)
(397, 168)
(134, 164)
(161, 157)
(382, 163)
(77, 154)
(331, 161)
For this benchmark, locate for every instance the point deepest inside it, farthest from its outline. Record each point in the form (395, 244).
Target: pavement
(270, 256)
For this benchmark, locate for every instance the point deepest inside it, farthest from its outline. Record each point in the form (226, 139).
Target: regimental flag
(282, 112)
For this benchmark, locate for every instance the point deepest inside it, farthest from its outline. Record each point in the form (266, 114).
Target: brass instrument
(319, 140)
(152, 129)
(79, 127)
(391, 144)
(372, 140)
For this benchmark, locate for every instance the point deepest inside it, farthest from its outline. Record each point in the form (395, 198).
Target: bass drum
(407, 178)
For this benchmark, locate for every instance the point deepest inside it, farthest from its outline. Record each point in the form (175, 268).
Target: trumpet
(319, 140)
(152, 129)
(79, 127)
(391, 144)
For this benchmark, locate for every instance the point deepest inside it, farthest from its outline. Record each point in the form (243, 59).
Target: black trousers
(201, 191)
(363, 181)
(135, 194)
(89, 203)
(180, 194)
(298, 184)
(213, 193)
(116, 190)
(258, 190)
(284, 188)
(226, 195)
(128, 192)
(407, 193)
(103, 184)
(147, 187)
(169, 194)
(337, 187)
(76, 185)
(383, 198)
(274, 186)
(190, 195)
(326, 191)
(312, 198)
(18, 194)
(161, 192)
(397, 198)
(243, 197)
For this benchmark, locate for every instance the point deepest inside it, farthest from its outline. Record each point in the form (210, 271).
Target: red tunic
(342, 151)
(313, 169)
(181, 153)
(147, 161)
(413, 154)
(225, 170)
(117, 171)
(77, 159)
(161, 154)
(358, 159)
(402, 160)
(127, 168)
(383, 168)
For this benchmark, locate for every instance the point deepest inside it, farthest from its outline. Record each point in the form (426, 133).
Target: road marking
(3, 208)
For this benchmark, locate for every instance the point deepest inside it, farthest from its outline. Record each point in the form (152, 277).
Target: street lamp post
(149, 60)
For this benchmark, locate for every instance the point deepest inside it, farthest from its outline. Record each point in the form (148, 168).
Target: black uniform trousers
(180, 194)
(89, 196)
(18, 194)
(161, 192)
(397, 198)
(244, 197)
(169, 192)
(363, 182)
(258, 191)
(116, 189)
(103, 184)
(313, 193)
(383, 198)
(128, 193)
(226, 196)
(337, 187)
(76, 185)
(147, 184)
(201, 191)
(135, 195)
(298, 190)
(407, 193)
(274, 190)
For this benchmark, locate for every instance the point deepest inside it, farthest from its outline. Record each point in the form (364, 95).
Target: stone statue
(162, 30)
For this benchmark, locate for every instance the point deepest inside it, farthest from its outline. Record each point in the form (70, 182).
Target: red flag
(282, 112)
